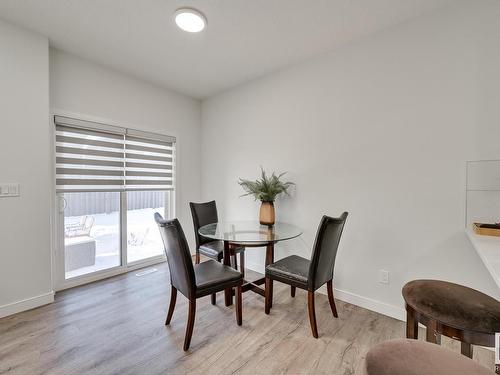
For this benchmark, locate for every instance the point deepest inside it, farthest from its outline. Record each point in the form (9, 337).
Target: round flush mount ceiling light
(190, 20)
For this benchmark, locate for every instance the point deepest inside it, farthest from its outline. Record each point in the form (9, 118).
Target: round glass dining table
(249, 234)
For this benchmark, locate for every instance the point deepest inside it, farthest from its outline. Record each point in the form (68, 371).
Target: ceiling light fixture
(190, 20)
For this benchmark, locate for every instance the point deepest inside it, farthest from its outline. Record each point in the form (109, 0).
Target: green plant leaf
(266, 189)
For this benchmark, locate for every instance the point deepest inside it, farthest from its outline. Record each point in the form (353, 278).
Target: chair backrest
(203, 214)
(325, 249)
(178, 256)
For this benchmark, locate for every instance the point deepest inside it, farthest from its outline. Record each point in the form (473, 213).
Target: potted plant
(266, 189)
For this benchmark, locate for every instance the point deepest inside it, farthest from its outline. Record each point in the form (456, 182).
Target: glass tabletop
(249, 232)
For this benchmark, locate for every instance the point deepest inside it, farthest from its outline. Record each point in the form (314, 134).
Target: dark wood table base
(452, 310)
(255, 285)
(434, 330)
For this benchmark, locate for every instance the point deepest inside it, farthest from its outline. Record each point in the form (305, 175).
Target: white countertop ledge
(488, 249)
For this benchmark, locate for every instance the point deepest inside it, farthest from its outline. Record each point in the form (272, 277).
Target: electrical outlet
(383, 277)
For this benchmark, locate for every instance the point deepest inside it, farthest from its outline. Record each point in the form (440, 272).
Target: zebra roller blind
(98, 157)
(149, 162)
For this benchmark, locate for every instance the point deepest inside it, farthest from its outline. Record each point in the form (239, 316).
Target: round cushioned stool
(413, 357)
(452, 310)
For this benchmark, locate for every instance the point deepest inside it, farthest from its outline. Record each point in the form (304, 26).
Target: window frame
(59, 280)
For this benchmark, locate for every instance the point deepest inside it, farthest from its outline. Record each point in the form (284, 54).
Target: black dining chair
(204, 214)
(193, 281)
(301, 273)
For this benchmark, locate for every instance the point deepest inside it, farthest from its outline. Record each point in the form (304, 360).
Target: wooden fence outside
(93, 203)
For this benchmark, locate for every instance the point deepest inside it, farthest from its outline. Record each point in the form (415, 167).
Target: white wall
(381, 128)
(82, 87)
(25, 266)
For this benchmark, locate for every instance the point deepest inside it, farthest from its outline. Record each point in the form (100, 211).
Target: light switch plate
(4, 190)
(14, 189)
(9, 190)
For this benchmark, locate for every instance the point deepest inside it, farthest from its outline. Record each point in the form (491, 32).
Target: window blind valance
(98, 157)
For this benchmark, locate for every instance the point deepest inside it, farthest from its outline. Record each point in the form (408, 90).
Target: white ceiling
(244, 39)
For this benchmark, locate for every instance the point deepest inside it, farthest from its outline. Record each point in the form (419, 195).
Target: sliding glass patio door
(92, 239)
(143, 238)
(110, 181)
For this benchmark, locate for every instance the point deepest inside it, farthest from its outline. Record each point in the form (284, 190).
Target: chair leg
(312, 314)
(242, 263)
(411, 324)
(292, 291)
(269, 295)
(213, 298)
(466, 349)
(190, 324)
(197, 259)
(239, 317)
(173, 298)
(329, 287)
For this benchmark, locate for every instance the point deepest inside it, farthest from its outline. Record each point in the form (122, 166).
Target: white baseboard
(26, 304)
(368, 303)
(354, 299)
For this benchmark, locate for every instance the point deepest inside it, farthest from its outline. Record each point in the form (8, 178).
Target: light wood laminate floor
(116, 326)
